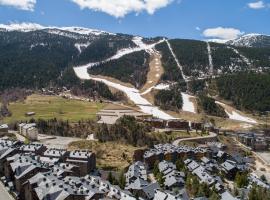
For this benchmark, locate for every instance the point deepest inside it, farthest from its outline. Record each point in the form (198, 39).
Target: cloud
(120, 8)
(197, 28)
(257, 5)
(221, 33)
(20, 4)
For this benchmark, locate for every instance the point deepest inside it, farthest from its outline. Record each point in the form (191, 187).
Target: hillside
(41, 57)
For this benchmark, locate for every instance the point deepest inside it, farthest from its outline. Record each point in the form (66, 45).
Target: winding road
(210, 136)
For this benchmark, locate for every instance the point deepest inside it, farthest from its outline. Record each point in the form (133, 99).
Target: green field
(49, 107)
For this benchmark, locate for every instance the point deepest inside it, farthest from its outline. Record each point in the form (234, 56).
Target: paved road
(4, 195)
(211, 135)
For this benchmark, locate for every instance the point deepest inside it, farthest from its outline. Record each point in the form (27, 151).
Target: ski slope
(177, 61)
(235, 115)
(132, 93)
(188, 105)
(211, 66)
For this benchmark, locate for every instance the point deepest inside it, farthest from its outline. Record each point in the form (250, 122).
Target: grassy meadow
(48, 107)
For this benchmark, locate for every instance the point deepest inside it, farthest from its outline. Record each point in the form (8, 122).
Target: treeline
(169, 99)
(248, 91)
(126, 130)
(208, 105)
(65, 128)
(171, 70)
(131, 68)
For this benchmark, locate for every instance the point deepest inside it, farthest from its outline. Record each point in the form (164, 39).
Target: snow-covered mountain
(28, 27)
(32, 48)
(251, 40)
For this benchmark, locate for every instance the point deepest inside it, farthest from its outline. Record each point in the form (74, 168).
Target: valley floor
(49, 107)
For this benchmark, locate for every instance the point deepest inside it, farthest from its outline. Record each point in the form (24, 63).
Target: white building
(29, 130)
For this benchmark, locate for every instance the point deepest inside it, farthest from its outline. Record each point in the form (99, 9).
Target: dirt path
(155, 71)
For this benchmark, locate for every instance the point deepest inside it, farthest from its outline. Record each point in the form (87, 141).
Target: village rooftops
(137, 184)
(160, 195)
(80, 154)
(24, 165)
(6, 143)
(50, 185)
(203, 175)
(169, 148)
(166, 167)
(5, 152)
(254, 179)
(193, 165)
(49, 160)
(55, 152)
(27, 126)
(227, 196)
(62, 168)
(31, 147)
(137, 170)
(228, 165)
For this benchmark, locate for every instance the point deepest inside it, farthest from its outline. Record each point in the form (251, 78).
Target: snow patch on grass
(235, 115)
(188, 105)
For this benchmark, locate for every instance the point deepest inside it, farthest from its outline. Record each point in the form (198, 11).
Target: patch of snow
(211, 66)
(147, 47)
(188, 105)
(38, 44)
(236, 115)
(161, 86)
(81, 46)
